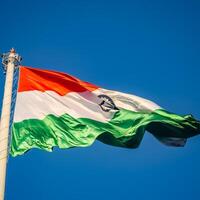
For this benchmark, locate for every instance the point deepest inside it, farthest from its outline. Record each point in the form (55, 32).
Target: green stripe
(126, 129)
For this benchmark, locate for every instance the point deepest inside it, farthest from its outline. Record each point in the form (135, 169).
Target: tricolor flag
(57, 109)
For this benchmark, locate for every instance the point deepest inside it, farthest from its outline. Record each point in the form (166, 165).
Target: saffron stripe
(42, 80)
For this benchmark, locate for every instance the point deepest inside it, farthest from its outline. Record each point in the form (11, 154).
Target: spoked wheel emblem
(107, 103)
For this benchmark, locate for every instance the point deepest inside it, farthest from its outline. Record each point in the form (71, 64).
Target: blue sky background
(147, 48)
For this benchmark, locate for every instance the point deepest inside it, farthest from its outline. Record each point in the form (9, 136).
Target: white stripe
(172, 141)
(36, 104)
(129, 101)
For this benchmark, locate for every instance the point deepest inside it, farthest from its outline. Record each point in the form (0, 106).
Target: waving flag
(56, 109)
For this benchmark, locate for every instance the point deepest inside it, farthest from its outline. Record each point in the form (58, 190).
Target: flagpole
(10, 60)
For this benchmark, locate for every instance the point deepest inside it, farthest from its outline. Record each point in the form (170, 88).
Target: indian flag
(57, 109)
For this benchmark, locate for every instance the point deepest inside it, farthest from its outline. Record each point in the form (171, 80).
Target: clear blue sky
(147, 48)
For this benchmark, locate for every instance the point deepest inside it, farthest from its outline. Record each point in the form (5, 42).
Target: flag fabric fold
(56, 109)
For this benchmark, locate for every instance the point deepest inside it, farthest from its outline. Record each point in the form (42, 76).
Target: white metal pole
(10, 61)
